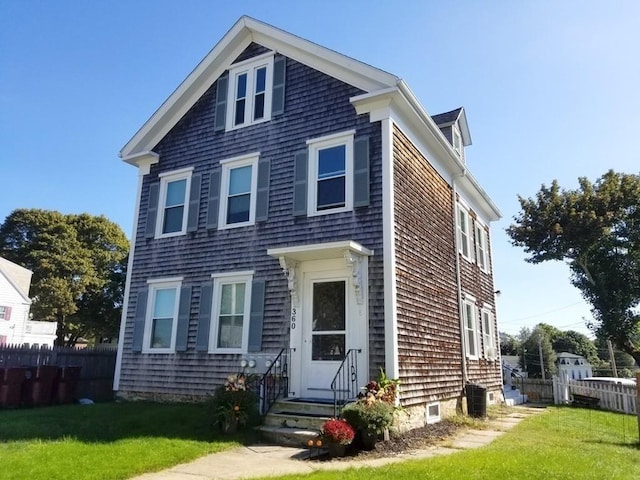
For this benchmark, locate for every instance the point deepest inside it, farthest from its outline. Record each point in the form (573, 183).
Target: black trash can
(38, 385)
(66, 384)
(11, 379)
(476, 400)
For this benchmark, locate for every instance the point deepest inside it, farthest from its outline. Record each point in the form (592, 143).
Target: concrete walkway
(269, 460)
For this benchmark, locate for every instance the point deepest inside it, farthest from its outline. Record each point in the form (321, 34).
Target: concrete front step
(292, 420)
(514, 397)
(293, 405)
(289, 437)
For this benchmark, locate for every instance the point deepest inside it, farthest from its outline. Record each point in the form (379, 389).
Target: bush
(233, 406)
(369, 416)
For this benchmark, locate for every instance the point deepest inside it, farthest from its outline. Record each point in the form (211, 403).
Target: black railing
(275, 382)
(345, 383)
(514, 373)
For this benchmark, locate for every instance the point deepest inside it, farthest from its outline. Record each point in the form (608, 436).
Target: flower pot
(336, 449)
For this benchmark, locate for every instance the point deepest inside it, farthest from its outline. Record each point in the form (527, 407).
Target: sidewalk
(270, 460)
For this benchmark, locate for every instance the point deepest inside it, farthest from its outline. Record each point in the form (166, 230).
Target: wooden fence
(612, 397)
(96, 375)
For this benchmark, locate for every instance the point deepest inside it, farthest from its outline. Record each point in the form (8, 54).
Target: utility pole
(541, 360)
(612, 358)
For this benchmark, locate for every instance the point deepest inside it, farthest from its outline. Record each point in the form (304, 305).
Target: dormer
(453, 126)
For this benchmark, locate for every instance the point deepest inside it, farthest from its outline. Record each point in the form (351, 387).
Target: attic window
(457, 142)
(250, 91)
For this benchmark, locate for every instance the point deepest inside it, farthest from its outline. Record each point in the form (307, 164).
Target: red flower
(338, 431)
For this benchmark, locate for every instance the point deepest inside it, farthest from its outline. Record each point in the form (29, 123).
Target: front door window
(328, 339)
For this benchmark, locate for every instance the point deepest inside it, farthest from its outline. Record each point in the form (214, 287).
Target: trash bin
(11, 379)
(38, 385)
(66, 384)
(476, 400)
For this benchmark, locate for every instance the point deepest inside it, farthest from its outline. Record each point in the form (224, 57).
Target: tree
(509, 345)
(530, 354)
(79, 267)
(596, 230)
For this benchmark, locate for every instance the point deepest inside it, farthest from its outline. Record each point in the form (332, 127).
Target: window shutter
(7, 313)
(214, 199)
(204, 317)
(152, 210)
(300, 184)
(262, 198)
(257, 315)
(139, 320)
(182, 332)
(194, 203)
(221, 103)
(279, 75)
(361, 172)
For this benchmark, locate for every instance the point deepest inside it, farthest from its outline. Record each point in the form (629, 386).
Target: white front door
(332, 323)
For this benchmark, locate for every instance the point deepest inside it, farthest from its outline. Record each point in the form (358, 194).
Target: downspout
(456, 246)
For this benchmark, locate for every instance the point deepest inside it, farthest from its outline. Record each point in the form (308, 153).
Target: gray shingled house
(298, 209)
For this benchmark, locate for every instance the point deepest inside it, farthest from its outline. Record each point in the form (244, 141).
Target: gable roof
(245, 31)
(19, 277)
(377, 84)
(449, 118)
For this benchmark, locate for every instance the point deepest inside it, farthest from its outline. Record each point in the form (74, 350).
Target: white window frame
(228, 165)
(220, 279)
(464, 232)
(154, 286)
(488, 333)
(3, 312)
(315, 146)
(433, 418)
(249, 68)
(482, 243)
(165, 180)
(470, 326)
(456, 140)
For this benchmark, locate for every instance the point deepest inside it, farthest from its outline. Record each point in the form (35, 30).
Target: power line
(547, 313)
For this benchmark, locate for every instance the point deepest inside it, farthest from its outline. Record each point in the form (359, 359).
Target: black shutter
(194, 203)
(279, 74)
(300, 183)
(182, 331)
(262, 198)
(361, 172)
(221, 103)
(139, 320)
(204, 317)
(152, 210)
(256, 315)
(214, 199)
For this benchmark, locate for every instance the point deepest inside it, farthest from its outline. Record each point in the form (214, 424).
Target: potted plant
(370, 418)
(233, 405)
(337, 434)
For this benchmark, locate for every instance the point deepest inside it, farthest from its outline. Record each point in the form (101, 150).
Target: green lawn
(103, 441)
(563, 444)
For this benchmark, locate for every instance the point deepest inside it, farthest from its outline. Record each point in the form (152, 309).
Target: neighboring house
(15, 326)
(290, 197)
(573, 366)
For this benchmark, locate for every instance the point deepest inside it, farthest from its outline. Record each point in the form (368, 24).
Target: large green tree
(596, 230)
(533, 343)
(79, 269)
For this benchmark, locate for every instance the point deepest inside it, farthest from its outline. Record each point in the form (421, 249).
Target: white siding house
(573, 366)
(15, 326)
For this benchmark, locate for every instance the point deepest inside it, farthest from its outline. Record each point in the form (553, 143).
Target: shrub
(233, 405)
(369, 416)
(338, 431)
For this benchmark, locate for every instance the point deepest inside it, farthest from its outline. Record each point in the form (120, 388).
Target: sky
(550, 90)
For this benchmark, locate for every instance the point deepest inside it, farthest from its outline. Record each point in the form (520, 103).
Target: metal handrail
(516, 374)
(345, 382)
(275, 381)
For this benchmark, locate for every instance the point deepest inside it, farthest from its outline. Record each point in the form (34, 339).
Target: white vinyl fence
(612, 397)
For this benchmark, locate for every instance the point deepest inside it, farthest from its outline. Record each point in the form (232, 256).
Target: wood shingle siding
(314, 105)
(428, 323)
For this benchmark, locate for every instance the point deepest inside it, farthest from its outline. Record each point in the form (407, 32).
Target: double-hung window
(162, 315)
(481, 247)
(330, 174)
(457, 142)
(4, 313)
(464, 237)
(239, 187)
(231, 312)
(488, 336)
(173, 203)
(470, 327)
(249, 95)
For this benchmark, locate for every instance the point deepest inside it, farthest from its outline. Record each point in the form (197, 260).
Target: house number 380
(293, 318)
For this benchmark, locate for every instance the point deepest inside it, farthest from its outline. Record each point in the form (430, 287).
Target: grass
(103, 441)
(563, 444)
